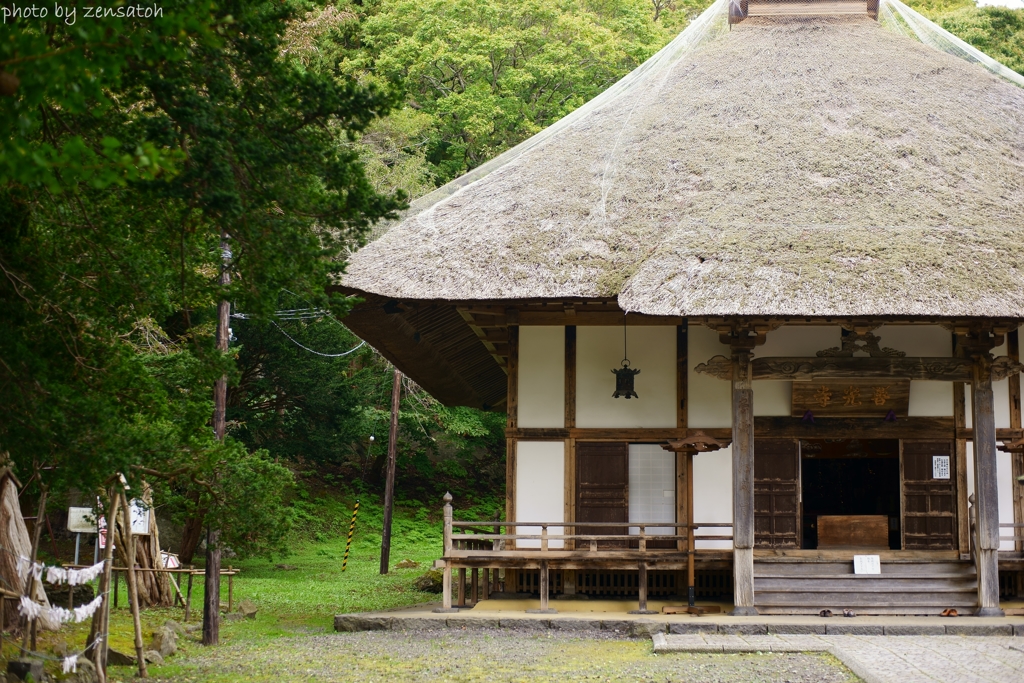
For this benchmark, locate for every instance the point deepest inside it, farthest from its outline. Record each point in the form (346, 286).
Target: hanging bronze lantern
(624, 381)
(624, 375)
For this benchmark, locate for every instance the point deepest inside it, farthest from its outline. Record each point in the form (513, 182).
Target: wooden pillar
(1017, 459)
(986, 488)
(684, 464)
(462, 586)
(487, 584)
(474, 592)
(446, 588)
(960, 454)
(512, 422)
(642, 588)
(544, 589)
(743, 484)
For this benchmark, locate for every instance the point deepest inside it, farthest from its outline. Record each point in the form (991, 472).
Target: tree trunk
(211, 594)
(14, 537)
(154, 588)
(192, 533)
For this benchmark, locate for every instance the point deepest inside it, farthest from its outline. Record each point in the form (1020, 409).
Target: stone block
(744, 629)
(115, 658)
(153, 657)
(914, 630)
(247, 608)
(521, 623)
(25, 670)
(417, 624)
(360, 622)
(1018, 629)
(616, 625)
(839, 628)
(979, 629)
(691, 627)
(645, 628)
(575, 624)
(797, 629)
(175, 626)
(165, 641)
(473, 623)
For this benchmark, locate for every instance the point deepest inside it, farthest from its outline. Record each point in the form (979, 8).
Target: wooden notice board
(853, 532)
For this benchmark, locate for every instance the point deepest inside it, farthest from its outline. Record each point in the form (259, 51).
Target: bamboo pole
(101, 621)
(133, 586)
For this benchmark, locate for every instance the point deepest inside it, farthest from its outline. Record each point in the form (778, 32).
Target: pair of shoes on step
(828, 613)
(951, 612)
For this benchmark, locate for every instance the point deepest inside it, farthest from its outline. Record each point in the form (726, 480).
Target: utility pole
(389, 486)
(211, 596)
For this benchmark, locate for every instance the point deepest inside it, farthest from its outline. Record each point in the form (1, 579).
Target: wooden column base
(743, 582)
(446, 591)
(544, 590)
(642, 590)
(988, 584)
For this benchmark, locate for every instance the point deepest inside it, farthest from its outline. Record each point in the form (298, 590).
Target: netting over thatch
(802, 166)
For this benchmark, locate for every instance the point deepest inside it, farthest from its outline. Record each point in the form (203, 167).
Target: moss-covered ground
(291, 638)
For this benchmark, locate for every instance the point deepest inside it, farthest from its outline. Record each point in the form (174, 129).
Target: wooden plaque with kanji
(852, 397)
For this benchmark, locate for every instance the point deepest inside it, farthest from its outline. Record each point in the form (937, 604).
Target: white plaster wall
(927, 399)
(931, 399)
(799, 340)
(917, 340)
(1004, 473)
(774, 397)
(652, 350)
(709, 401)
(712, 494)
(652, 487)
(540, 488)
(541, 376)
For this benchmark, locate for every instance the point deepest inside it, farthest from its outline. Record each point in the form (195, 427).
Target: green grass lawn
(290, 601)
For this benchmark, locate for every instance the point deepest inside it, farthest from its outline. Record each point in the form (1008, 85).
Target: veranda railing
(484, 545)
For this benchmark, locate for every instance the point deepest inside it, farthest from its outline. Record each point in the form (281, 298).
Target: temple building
(752, 313)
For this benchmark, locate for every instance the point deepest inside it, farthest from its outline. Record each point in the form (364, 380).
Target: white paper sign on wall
(140, 518)
(81, 520)
(867, 564)
(940, 467)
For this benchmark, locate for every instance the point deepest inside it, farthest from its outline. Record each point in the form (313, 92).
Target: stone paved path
(881, 659)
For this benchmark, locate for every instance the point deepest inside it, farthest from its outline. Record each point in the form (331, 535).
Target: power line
(306, 348)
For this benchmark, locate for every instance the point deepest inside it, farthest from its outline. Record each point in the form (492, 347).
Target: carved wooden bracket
(860, 340)
(696, 442)
(719, 366)
(1016, 446)
(1004, 367)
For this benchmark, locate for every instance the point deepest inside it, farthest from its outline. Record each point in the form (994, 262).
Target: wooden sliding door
(929, 496)
(776, 493)
(602, 487)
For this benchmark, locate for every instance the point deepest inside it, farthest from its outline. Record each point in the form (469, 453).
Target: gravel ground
(489, 656)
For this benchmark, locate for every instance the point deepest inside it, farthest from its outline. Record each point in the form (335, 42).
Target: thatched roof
(816, 166)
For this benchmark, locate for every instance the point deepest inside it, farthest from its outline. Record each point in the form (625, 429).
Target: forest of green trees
(130, 145)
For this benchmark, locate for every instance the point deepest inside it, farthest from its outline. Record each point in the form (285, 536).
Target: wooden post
(743, 484)
(188, 595)
(389, 487)
(231, 592)
(512, 422)
(117, 581)
(487, 583)
(544, 587)
(986, 486)
(1017, 459)
(446, 588)
(462, 587)
(642, 589)
(691, 541)
(211, 589)
(101, 620)
(960, 453)
(30, 584)
(474, 590)
(211, 596)
(133, 586)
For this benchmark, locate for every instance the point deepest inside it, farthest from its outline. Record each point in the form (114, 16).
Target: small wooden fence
(566, 545)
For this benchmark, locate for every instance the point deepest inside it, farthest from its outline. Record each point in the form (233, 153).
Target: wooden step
(797, 570)
(815, 601)
(912, 585)
(874, 609)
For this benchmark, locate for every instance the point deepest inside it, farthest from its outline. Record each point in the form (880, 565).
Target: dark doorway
(602, 485)
(850, 477)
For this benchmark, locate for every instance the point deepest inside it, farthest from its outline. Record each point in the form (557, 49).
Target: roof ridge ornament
(860, 340)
